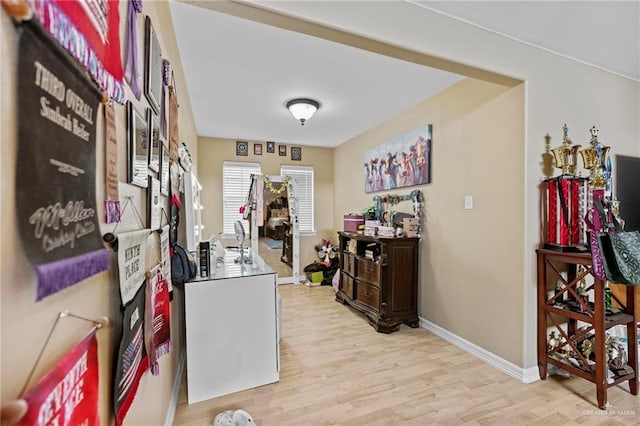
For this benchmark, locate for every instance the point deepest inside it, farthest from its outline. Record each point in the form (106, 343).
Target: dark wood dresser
(379, 277)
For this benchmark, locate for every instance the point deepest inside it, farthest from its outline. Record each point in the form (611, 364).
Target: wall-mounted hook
(111, 239)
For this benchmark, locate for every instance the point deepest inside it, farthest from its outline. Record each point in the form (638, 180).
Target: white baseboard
(177, 382)
(525, 375)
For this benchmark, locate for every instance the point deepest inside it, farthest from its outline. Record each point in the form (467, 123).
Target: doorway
(275, 234)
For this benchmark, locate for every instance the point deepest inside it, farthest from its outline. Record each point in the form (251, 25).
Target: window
(303, 176)
(236, 181)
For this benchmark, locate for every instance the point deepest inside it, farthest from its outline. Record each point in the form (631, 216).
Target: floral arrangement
(269, 185)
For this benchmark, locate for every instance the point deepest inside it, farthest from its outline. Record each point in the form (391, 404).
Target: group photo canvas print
(402, 161)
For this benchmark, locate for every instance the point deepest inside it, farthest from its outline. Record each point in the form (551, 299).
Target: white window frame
(234, 196)
(304, 177)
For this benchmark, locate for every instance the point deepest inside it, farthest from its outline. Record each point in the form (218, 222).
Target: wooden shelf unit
(383, 285)
(594, 315)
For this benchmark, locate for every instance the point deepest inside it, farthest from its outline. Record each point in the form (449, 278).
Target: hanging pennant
(90, 31)
(132, 254)
(55, 174)
(68, 394)
(157, 325)
(132, 358)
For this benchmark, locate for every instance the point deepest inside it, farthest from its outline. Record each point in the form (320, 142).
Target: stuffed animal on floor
(233, 418)
(326, 251)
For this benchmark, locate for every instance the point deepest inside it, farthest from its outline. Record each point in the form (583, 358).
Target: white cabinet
(231, 330)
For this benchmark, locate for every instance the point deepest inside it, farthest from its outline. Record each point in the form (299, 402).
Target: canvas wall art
(400, 162)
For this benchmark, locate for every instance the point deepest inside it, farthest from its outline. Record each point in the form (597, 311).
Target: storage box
(352, 221)
(410, 226)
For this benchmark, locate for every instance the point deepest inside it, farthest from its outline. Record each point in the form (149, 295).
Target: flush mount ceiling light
(302, 109)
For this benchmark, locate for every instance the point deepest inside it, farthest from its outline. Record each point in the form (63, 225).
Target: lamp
(302, 109)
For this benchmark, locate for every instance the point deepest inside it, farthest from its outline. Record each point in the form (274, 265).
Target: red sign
(68, 394)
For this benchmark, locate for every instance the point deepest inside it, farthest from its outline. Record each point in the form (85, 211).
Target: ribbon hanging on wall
(111, 202)
(166, 75)
(157, 324)
(165, 255)
(133, 70)
(55, 173)
(173, 122)
(90, 31)
(68, 394)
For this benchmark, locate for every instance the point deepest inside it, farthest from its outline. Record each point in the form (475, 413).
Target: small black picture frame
(271, 147)
(257, 149)
(152, 66)
(282, 150)
(296, 153)
(242, 148)
(138, 147)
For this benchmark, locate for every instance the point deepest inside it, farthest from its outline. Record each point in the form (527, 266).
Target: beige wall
(214, 151)
(558, 90)
(26, 323)
(477, 150)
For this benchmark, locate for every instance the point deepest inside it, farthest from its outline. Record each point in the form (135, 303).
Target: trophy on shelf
(595, 159)
(563, 201)
(566, 155)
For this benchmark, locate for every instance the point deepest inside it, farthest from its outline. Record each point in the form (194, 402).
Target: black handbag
(620, 250)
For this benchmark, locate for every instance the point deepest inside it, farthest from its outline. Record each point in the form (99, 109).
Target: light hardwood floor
(272, 258)
(335, 369)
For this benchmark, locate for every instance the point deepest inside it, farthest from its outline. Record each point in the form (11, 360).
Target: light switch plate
(468, 202)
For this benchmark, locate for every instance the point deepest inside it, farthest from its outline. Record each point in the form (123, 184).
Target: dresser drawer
(347, 285)
(368, 294)
(349, 264)
(368, 270)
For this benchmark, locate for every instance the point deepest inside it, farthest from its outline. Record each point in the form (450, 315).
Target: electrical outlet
(468, 202)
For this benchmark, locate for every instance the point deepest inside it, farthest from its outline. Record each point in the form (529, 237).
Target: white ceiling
(241, 73)
(605, 34)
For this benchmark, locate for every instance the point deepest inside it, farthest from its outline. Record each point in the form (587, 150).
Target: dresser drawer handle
(369, 270)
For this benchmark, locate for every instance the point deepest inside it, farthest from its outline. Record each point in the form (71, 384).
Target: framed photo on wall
(137, 147)
(282, 150)
(296, 153)
(271, 147)
(242, 148)
(257, 149)
(152, 66)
